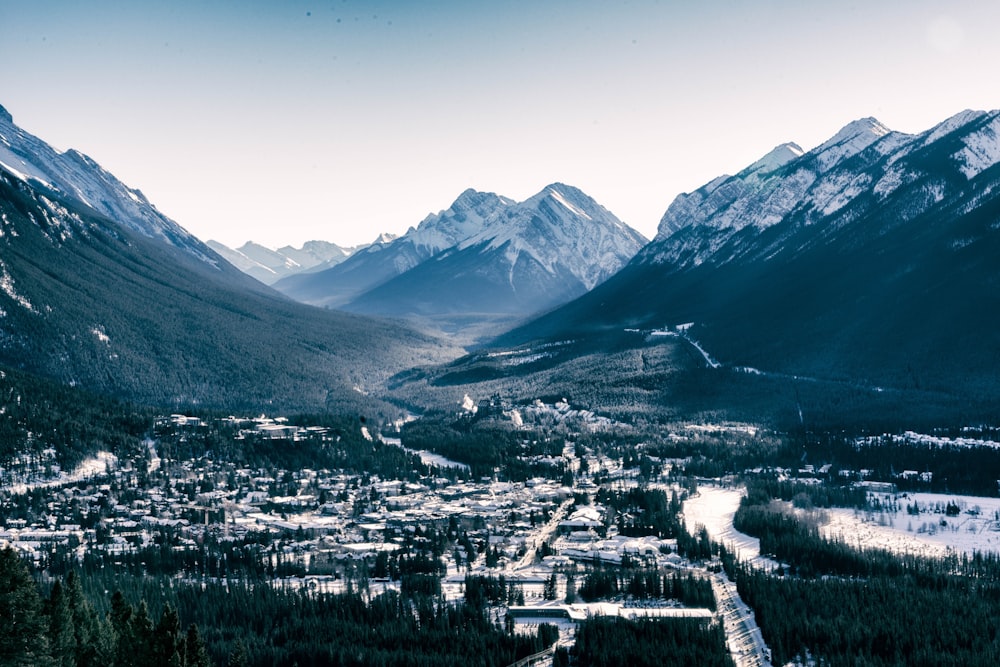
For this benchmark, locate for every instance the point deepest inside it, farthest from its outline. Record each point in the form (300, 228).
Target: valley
(518, 433)
(567, 532)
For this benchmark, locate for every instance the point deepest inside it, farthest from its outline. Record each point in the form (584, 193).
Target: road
(746, 645)
(542, 534)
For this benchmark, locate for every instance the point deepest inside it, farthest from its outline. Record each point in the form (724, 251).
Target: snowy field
(714, 508)
(916, 523)
(99, 464)
(931, 531)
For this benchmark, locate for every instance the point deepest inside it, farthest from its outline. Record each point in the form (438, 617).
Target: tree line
(847, 606)
(75, 621)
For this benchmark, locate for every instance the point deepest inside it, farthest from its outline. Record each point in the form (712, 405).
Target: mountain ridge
(865, 260)
(155, 316)
(527, 257)
(270, 265)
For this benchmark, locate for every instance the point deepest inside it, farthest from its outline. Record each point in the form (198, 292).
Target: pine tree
(23, 640)
(195, 652)
(238, 656)
(549, 591)
(120, 618)
(570, 589)
(142, 637)
(94, 640)
(167, 639)
(62, 638)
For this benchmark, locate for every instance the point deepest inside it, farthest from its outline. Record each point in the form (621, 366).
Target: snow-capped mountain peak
(778, 157)
(849, 141)
(522, 257)
(559, 197)
(77, 176)
(563, 230)
(981, 148)
(465, 218)
(861, 166)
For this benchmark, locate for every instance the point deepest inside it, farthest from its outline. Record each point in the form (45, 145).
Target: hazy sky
(285, 121)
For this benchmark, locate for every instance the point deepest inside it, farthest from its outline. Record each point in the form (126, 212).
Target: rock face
(870, 259)
(389, 256)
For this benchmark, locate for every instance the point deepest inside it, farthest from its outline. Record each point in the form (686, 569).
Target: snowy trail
(714, 508)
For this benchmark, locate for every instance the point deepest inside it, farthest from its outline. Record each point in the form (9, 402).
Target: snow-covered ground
(714, 508)
(931, 532)
(100, 464)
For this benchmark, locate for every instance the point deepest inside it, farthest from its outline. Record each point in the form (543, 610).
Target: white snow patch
(714, 508)
(930, 532)
(100, 335)
(836, 192)
(562, 200)
(7, 285)
(432, 459)
(890, 181)
(99, 464)
(712, 363)
(924, 440)
(981, 151)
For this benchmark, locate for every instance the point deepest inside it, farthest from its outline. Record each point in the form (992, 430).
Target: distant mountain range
(870, 260)
(484, 262)
(99, 289)
(268, 266)
(857, 281)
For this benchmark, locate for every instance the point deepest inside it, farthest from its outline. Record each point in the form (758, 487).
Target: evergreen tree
(238, 656)
(549, 591)
(142, 637)
(120, 618)
(570, 589)
(93, 636)
(195, 652)
(23, 640)
(62, 637)
(167, 639)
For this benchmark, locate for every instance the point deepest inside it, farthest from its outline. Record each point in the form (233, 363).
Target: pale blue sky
(286, 121)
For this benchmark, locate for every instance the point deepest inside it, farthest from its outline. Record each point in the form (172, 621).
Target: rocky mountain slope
(484, 263)
(527, 258)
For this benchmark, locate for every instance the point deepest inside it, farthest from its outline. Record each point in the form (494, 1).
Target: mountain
(390, 256)
(527, 257)
(98, 289)
(868, 261)
(269, 266)
(481, 265)
(72, 174)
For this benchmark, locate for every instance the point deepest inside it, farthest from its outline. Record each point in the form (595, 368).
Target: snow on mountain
(390, 256)
(851, 140)
(463, 220)
(315, 253)
(75, 175)
(527, 257)
(561, 228)
(863, 160)
(869, 260)
(268, 265)
(981, 150)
